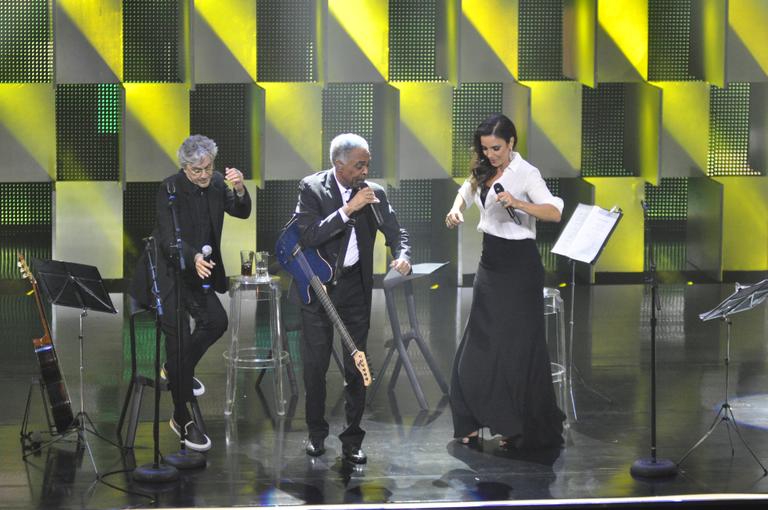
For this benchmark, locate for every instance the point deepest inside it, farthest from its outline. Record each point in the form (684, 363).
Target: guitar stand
(79, 425)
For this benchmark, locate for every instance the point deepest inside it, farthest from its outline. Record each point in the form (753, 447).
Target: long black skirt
(501, 374)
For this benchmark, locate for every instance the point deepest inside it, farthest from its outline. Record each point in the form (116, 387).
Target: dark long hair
(497, 125)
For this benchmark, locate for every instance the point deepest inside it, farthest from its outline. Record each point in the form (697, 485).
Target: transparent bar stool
(248, 297)
(560, 354)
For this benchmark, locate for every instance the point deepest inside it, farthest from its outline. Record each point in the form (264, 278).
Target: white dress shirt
(353, 254)
(524, 182)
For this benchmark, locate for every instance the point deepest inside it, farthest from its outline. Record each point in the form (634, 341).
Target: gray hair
(343, 144)
(195, 148)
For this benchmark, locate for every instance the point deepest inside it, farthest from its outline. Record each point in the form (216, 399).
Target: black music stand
(401, 339)
(77, 286)
(744, 298)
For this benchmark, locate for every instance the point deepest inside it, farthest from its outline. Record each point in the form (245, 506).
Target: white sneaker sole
(192, 446)
(196, 391)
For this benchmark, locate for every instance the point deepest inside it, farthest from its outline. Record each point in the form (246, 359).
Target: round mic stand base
(185, 459)
(152, 473)
(653, 468)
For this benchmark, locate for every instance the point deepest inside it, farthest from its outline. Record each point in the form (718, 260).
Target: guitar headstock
(361, 363)
(26, 272)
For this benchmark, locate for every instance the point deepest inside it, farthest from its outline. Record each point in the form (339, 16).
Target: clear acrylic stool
(248, 297)
(560, 354)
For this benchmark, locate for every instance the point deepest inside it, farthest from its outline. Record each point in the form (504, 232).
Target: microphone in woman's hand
(498, 188)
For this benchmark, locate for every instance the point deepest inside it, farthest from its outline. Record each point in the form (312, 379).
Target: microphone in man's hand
(206, 251)
(498, 188)
(374, 207)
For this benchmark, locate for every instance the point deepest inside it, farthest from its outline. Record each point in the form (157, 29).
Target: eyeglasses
(197, 171)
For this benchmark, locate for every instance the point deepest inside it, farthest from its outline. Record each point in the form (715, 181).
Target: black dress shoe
(315, 447)
(354, 454)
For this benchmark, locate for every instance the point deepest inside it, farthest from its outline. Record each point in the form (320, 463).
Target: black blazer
(221, 199)
(319, 198)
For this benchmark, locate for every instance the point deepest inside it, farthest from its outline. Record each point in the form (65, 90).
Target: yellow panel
(162, 110)
(624, 251)
(685, 117)
(426, 109)
(626, 23)
(295, 111)
(745, 223)
(367, 23)
(483, 15)
(101, 23)
(579, 39)
(644, 103)
(556, 111)
(89, 225)
(748, 19)
(27, 111)
(239, 234)
(714, 13)
(234, 21)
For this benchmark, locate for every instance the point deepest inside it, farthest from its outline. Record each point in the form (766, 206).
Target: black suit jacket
(221, 199)
(319, 199)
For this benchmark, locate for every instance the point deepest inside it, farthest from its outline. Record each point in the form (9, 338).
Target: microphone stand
(652, 467)
(183, 459)
(156, 471)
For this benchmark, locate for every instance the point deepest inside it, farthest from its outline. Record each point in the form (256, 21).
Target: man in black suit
(200, 197)
(339, 214)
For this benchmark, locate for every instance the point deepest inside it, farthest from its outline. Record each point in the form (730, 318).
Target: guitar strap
(343, 250)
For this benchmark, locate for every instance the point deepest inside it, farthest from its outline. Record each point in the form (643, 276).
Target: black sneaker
(194, 439)
(198, 388)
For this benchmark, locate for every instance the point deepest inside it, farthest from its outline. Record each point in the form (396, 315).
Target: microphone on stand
(498, 188)
(206, 251)
(374, 207)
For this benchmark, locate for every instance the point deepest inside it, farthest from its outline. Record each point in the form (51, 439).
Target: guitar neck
(41, 312)
(325, 300)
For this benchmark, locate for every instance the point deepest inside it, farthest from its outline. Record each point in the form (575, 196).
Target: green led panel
(669, 40)
(729, 131)
(88, 119)
(21, 323)
(275, 204)
(669, 200)
(286, 41)
(413, 40)
(222, 112)
(348, 108)
(540, 40)
(152, 41)
(145, 346)
(139, 211)
(412, 201)
(25, 224)
(26, 41)
(602, 131)
(667, 215)
(472, 103)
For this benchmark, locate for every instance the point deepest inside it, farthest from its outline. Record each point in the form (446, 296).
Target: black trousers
(210, 324)
(351, 303)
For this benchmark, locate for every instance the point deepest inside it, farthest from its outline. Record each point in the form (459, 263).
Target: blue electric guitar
(310, 270)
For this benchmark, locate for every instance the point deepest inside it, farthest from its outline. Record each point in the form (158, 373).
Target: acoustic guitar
(310, 270)
(56, 388)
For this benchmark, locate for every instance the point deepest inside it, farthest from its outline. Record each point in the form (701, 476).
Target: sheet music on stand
(744, 298)
(587, 232)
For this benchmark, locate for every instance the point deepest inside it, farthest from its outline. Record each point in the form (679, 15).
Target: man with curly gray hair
(200, 197)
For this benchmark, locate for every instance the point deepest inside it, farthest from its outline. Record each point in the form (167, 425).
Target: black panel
(286, 40)
(152, 40)
(26, 42)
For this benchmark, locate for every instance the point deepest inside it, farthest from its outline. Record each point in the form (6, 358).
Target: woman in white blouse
(501, 375)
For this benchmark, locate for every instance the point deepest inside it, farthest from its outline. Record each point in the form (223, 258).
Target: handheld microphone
(498, 188)
(206, 251)
(374, 207)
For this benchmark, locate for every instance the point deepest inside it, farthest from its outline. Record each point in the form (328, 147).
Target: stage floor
(258, 457)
